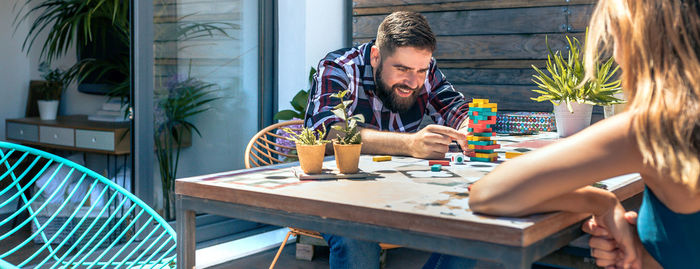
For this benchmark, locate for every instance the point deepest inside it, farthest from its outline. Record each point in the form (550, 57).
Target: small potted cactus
(348, 145)
(310, 148)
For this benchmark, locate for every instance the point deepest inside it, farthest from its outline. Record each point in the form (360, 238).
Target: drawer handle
(94, 140)
(55, 136)
(21, 132)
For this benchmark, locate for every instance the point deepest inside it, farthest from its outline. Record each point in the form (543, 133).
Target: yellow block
(480, 101)
(486, 155)
(511, 155)
(381, 158)
(478, 138)
(491, 105)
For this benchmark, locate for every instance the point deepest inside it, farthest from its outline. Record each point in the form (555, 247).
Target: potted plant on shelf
(51, 89)
(572, 97)
(310, 148)
(347, 146)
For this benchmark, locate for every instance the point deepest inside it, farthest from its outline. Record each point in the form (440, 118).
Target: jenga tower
(482, 118)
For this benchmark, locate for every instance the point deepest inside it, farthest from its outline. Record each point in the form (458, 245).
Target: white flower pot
(48, 109)
(569, 123)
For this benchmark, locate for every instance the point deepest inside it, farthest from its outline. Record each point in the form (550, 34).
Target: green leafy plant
(178, 102)
(299, 103)
(351, 134)
(565, 81)
(74, 24)
(55, 81)
(307, 136)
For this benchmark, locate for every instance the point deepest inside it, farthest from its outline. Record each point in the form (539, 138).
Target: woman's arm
(523, 185)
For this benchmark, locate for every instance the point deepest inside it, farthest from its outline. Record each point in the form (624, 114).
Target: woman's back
(671, 238)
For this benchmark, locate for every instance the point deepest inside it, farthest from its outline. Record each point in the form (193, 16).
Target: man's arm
(430, 142)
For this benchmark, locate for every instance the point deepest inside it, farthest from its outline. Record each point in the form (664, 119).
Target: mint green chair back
(77, 218)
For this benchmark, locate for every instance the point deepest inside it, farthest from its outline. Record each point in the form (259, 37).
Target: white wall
(308, 30)
(18, 69)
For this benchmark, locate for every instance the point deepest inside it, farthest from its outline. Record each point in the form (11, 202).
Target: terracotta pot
(347, 157)
(311, 158)
(569, 123)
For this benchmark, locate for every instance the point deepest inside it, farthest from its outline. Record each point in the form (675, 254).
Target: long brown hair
(657, 45)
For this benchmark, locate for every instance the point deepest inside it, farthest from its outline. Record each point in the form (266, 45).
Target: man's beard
(389, 97)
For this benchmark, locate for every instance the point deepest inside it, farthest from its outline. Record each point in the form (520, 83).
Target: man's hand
(433, 141)
(603, 247)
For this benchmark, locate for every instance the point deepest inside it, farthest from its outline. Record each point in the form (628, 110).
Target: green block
(481, 143)
(483, 150)
(483, 134)
(436, 167)
(487, 113)
(479, 118)
(480, 109)
(477, 159)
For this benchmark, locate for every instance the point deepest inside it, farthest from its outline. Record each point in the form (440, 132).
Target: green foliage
(77, 23)
(177, 104)
(565, 83)
(307, 136)
(299, 103)
(351, 134)
(55, 81)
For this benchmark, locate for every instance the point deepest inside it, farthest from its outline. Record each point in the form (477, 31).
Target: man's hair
(404, 29)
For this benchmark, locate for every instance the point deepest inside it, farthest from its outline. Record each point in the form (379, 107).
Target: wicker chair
(77, 217)
(269, 147)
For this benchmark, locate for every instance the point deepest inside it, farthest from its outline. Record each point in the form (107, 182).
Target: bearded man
(393, 81)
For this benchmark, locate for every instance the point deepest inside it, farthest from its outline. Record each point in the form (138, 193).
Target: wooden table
(403, 203)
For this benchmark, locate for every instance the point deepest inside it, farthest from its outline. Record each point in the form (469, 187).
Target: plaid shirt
(350, 69)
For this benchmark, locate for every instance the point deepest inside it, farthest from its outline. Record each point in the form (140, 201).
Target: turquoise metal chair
(77, 218)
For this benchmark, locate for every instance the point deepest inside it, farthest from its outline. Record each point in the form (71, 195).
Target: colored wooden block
(479, 118)
(381, 158)
(480, 101)
(479, 125)
(491, 121)
(440, 162)
(480, 150)
(478, 138)
(481, 109)
(480, 130)
(487, 160)
(482, 143)
(511, 155)
(489, 147)
(435, 167)
(485, 134)
(486, 155)
(490, 105)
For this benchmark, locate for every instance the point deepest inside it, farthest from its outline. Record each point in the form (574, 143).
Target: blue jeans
(348, 253)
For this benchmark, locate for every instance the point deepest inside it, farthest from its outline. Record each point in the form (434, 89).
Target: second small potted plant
(572, 97)
(310, 148)
(347, 147)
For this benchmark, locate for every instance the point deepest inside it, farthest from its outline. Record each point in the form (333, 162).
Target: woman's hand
(603, 248)
(627, 252)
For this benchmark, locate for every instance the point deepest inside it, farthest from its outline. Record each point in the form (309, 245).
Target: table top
(74, 121)
(402, 193)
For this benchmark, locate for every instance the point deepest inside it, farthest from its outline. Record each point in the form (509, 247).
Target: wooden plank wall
(486, 47)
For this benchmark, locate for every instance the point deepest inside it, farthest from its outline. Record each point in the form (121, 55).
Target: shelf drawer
(57, 136)
(21, 131)
(94, 139)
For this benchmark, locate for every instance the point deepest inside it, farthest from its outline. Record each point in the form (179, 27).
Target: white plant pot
(48, 109)
(569, 123)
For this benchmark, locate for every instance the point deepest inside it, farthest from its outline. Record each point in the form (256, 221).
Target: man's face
(400, 77)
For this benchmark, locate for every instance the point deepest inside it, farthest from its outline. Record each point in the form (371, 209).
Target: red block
(495, 146)
(477, 125)
(440, 162)
(490, 121)
(482, 130)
